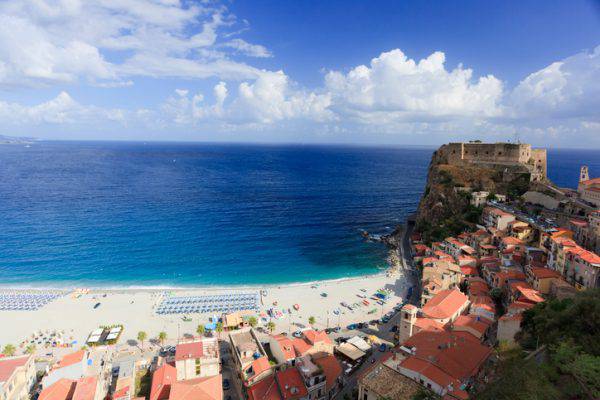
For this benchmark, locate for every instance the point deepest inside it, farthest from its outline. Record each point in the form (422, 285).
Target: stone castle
(507, 154)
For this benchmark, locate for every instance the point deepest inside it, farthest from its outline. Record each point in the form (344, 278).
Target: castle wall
(495, 153)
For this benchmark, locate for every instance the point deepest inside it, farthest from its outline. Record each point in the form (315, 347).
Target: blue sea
(111, 214)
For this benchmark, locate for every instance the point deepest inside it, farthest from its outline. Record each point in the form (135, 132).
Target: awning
(350, 351)
(359, 343)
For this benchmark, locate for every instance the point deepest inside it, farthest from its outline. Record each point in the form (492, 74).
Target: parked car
(352, 327)
(297, 334)
(382, 347)
(96, 305)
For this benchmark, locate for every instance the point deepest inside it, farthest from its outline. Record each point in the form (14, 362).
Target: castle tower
(584, 174)
(407, 322)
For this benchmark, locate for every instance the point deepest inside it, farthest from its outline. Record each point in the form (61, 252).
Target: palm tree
(271, 326)
(200, 330)
(252, 321)
(162, 336)
(219, 328)
(30, 349)
(9, 350)
(142, 336)
(311, 320)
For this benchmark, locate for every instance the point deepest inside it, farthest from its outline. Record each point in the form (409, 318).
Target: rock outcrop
(445, 207)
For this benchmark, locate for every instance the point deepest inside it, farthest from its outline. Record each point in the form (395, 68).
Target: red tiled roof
(458, 354)
(71, 359)
(9, 364)
(260, 365)
(184, 351)
(428, 324)
(530, 294)
(161, 382)
(286, 346)
(469, 270)
(445, 304)
(300, 346)
(578, 222)
(317, 336)
(431, 371)
(291, 385)
(511, 241)
(85, 388)
(62, 389)
(331, 368)
(265, 389)
(121, 393)
(209, 388)
(472, 321)
(590, 182)
(544, 273)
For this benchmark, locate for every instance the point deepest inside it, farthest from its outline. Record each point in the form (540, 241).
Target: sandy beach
(134, 308)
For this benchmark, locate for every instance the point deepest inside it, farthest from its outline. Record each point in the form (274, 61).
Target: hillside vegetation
(568, 367)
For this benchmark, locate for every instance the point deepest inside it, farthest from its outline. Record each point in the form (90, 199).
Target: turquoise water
(132, 214)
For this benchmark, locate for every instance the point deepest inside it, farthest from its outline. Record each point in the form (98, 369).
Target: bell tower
(584, 174)
(408, 317)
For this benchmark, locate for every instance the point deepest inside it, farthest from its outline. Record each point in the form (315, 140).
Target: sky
(357, 72)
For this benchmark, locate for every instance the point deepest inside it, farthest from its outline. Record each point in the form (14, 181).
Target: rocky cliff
(445, 207)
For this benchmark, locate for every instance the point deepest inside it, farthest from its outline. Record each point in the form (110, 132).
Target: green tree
(200, 330)
(9, 350)
(30, 349)
(141, 336)
(162, 336)
(219, 328)
(311, 320)
(271, 326)
(252, 321)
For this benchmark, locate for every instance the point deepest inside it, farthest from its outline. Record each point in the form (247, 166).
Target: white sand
(134, 309)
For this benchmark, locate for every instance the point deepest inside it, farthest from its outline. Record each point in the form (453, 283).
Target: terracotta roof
(431, 371)
(9, 364)
(457, 354)
(428, 324)
(260, 365)
(529, 294)
(301, 347)
(291, 385)
(331, 368)
(208, 388)
(85, 389)
(544, 273)
(286, 346)
(445, 304)
(497, 211)
(184, 351)
(161, 382)
(317, 336)
(265, 389)
(592, 181)
(62, 389)
(511, 241)
(121, 393)
(474, 322)
(590, 257)
(469, 270)
(71, 359)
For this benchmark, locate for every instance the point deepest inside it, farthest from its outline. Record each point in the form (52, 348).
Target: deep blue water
(130, 214)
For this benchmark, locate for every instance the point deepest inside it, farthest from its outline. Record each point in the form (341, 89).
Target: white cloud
(107, 41)
(252, 50)
(270, 98)
(565, 89)
(61, 110)
(396, 87)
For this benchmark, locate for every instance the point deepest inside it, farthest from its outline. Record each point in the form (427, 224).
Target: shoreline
(211, 288)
